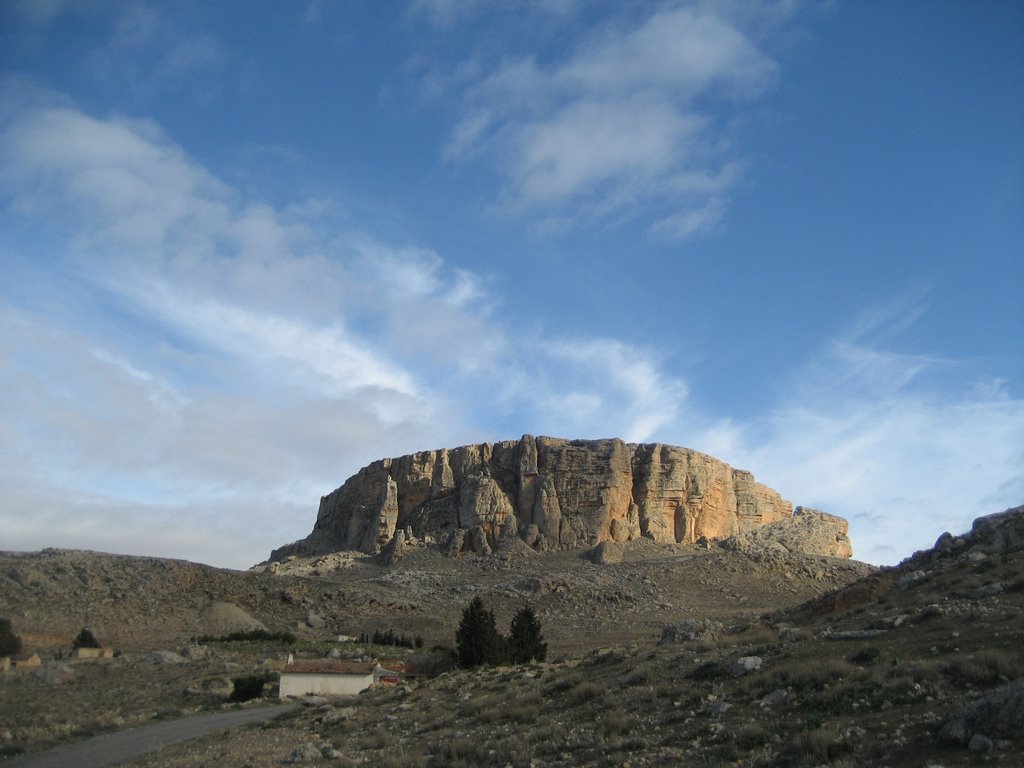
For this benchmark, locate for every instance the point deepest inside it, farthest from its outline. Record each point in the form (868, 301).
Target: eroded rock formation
(550, 493)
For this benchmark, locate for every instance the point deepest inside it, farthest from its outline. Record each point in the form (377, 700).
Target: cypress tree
(477, 638)
(525, 641)
(10, 643)
(86, 639)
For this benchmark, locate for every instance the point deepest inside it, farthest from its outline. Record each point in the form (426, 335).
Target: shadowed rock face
(551, 493)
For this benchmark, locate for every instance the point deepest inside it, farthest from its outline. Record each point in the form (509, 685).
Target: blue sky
(247, 248)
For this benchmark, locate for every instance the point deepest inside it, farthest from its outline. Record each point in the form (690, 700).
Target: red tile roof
(329, 667)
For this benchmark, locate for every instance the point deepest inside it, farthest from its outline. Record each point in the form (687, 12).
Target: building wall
(92, 653)
(303, 683)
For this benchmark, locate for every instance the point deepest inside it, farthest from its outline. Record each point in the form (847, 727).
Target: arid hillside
(769, 657)
(921, 665)
(616, 593)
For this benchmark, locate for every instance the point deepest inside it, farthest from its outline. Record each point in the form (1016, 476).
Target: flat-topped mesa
(553, 494)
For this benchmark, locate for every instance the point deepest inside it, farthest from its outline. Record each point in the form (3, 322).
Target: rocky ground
(795, 661)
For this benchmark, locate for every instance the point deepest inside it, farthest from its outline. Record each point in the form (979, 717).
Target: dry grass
(813, 747)
(521, 710)
(802, 674)
(987, 667)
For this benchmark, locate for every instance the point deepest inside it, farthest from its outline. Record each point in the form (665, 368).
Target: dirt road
(114, 748)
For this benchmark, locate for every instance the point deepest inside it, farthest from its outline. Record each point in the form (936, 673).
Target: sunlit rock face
(553, 494)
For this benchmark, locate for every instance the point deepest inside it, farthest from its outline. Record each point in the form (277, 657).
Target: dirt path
(114, 748)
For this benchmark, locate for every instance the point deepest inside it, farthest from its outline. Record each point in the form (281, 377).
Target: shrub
(866, 656)
(86, 639)
(987, 667)
(821, 744)
(752, 735)
(586, 692)
(564, 683)
(804, 676)
(709, 670)
(523, 710)
(616, 723)
(390, 637)
(10, 643)
(433, 664)
(249, 635)
(248, 687)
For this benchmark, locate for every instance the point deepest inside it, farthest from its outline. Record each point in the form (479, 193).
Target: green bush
(249, 636)
(390, 637)
(866, 656)
(10, 643)
(248, 687)
(86, 639)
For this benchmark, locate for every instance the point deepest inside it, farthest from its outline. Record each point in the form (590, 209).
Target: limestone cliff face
(551, 493)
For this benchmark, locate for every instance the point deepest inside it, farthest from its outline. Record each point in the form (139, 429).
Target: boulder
(606, 553)
(691, 629)
(396, 549)
(165, 657)
(997, 714)
(745, 665)
(807, 531)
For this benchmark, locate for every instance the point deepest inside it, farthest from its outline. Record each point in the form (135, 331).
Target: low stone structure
(26, 661)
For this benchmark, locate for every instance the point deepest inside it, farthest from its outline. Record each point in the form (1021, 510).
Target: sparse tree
(86, 639)
(10, 643)
(525, 641)
(477, 637)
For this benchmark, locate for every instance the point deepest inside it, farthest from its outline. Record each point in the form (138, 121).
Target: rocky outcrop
(552, 494)
(808, 532)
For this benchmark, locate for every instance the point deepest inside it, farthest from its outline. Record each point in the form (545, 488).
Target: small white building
(325, 677)
(92, 653)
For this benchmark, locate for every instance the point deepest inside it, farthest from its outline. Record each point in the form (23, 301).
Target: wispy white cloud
(150, 51)
(861, 431)
(444, 13)
(245, 379)
(268, 353)
(632, 118)
(38, 13)
(586, 387)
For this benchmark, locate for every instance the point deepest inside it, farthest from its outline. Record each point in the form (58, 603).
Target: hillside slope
(920, 665)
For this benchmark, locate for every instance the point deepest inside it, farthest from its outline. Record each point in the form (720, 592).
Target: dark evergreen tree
(525, 642)
(10, 643)
(477, 638)
(86, 639)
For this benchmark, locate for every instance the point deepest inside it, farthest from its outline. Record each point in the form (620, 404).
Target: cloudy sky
(249, 247)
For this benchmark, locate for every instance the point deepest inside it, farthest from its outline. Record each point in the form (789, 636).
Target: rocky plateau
(553, 494)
